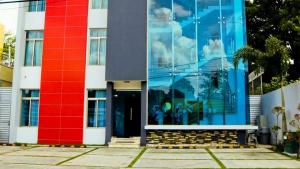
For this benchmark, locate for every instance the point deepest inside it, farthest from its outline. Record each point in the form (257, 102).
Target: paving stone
(149, 163)
(44, 153)
(59, 149)
(178, 156)
(23, 166)
(250, 156)
(176, 150)
(261, 163)
(31, 160)
(257, 150)
(116, 151)
(7, 149)
(101, 160)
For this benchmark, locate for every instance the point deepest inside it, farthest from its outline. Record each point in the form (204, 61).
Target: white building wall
(273, 99)
(24, 77)
(95, 77)
(30, 77)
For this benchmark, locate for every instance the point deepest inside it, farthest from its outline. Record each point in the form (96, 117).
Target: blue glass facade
(191, 77)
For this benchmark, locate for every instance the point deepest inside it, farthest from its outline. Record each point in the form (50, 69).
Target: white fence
(5, 103)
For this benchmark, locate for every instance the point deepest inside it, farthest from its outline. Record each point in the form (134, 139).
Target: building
(6, 72)
(90, 70)
(1, 39)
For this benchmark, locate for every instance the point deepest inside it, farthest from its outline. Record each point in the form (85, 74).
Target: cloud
(184, 48)
(180, 11)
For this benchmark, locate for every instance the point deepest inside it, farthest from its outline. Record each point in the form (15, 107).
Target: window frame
(34, 40)
(30, 99)
(98, 38)
(97, 100)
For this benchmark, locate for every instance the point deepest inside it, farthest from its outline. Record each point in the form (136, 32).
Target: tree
(275, 50)
(8, 54)
(281, 19)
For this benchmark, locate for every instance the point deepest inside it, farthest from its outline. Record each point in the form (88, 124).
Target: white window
(97, 47)
(30, 108)
(34, 48)
(99, 4)
(96, 108)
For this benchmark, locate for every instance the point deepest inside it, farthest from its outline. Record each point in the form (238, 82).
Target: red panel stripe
(63, 72)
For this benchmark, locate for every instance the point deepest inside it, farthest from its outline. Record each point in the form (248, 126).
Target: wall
(272, 99)
(126, 40)
(63, 73)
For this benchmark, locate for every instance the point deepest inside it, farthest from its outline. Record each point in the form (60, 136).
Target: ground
(40, 157)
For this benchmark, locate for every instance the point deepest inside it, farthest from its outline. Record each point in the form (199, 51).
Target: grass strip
(137, 158)
(60, 163)
(215, 158)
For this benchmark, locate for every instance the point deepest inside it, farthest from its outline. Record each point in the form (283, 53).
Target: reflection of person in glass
(295, 122)
(158, 115)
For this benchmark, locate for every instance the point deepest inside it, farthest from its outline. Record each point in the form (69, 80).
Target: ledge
(201, 127)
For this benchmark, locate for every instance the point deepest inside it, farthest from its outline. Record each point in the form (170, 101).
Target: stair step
(132, 142)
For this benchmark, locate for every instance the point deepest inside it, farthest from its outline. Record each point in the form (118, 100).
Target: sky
(8, 17)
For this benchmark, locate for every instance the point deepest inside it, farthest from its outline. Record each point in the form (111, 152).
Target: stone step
(123, 145)
(132, 142)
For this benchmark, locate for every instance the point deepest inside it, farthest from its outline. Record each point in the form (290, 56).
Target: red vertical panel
(63, 72)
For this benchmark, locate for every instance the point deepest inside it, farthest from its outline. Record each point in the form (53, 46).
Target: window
(97, 46)
(34, 48)
(96, 108)
(36, 6)
(30, 107)
(99, 4)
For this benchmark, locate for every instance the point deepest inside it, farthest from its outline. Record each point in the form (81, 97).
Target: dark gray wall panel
(126, 40)
(143, 113)
(109, 109)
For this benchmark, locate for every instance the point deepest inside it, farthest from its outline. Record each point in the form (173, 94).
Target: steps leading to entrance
(132, 142)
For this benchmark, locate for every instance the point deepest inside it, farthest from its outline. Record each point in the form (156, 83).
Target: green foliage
(274, 84)
(281, 19)
(9, 47)
(275, 128)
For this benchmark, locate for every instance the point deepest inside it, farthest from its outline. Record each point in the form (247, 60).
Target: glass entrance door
(127, 113)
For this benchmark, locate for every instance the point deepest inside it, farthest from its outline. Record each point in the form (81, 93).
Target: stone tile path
(38, 157)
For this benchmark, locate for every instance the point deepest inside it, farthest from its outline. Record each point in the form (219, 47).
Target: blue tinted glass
(94, 51)
(101, 113)
(191, 78)
(25, 113)
(34, 113)
(100, 94)
(91, 121)
(32, 6)
(28, 53)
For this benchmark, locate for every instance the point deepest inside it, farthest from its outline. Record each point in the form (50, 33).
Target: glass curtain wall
(191, 77)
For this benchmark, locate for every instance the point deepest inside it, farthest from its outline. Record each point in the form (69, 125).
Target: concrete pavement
(37, 157)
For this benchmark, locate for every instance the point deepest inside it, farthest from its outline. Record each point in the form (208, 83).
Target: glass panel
(41, 5)
(34, 113)
(96, 4)
(35, 93)
(92, 114)
(102, 51)
(94, 45)
(32, 6)
(25, 113)
(101, 113)
(191, 79)
(104, 4)
(29, 53)
(38, 50)
(100, 94)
